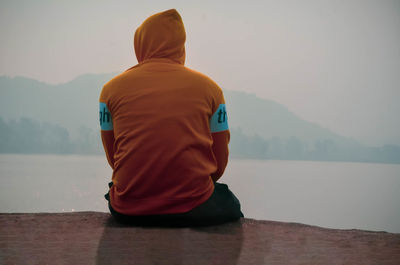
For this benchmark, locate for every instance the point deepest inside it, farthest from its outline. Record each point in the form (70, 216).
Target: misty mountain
(260, 128)
(269, 119)
(75, 104)
(72, 105)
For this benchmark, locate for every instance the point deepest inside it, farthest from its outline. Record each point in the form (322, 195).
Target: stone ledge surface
(94, 238)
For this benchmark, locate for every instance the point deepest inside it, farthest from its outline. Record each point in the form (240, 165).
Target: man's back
(159, 121)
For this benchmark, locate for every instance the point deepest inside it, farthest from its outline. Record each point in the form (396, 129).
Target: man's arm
(220, 134)
(221, 152)
(107, 137)
(107, 133)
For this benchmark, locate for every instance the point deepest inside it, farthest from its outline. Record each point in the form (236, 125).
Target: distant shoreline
(230, 158)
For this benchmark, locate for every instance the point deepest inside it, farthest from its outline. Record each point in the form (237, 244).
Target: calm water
(328, 194)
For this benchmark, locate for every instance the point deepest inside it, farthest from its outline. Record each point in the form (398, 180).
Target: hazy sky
(336, 63)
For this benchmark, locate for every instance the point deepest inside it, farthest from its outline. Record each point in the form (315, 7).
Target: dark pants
(221, 207)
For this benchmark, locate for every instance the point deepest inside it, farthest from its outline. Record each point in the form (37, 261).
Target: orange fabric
(158, 140)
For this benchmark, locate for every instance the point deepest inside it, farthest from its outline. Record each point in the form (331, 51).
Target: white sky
(336, 63)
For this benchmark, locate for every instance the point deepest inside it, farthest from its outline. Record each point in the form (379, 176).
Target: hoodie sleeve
(220, 135)
(107, 130)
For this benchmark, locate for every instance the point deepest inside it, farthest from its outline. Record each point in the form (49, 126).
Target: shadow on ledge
(207, 245)
(94, 238)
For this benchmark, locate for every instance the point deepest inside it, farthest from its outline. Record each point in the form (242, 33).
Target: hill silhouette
(261, 128)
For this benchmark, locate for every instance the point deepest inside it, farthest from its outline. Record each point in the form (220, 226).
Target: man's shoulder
(118, 78)
(202, 78)
(110, 86)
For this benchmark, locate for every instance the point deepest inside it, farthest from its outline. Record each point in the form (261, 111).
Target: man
(165, 133)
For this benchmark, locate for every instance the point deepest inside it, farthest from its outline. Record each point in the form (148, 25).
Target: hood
(161, 36)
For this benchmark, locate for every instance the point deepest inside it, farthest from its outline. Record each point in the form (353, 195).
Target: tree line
(293, 148)
(29, 136)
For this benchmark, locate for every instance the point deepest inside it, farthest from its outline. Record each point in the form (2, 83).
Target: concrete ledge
(94, 238)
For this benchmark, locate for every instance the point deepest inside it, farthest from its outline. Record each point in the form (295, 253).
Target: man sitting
(165, 133)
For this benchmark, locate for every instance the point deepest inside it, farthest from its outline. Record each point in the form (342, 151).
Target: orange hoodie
(164, 127)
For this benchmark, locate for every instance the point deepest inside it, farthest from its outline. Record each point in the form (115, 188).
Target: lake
(328, 194)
